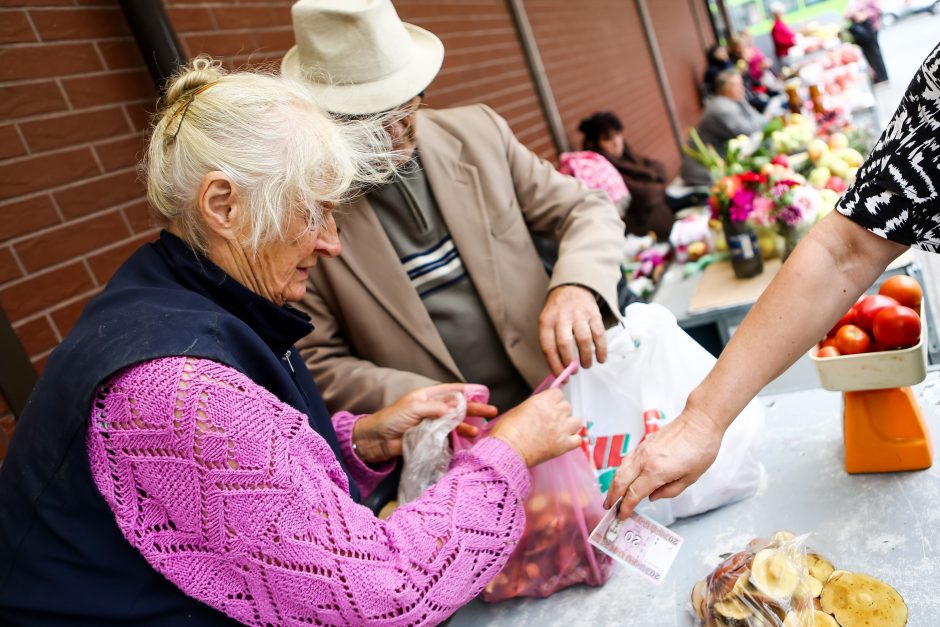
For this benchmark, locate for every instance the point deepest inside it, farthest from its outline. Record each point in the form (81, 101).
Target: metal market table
(886, 525)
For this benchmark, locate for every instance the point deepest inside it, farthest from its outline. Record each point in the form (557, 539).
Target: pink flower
(742, 204)
(780, 188)
(763, 211)
(790, 215)
(807, 199)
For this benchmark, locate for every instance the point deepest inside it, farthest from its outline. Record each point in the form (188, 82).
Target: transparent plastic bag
(425, 452)
(767, 584)
(564, 506)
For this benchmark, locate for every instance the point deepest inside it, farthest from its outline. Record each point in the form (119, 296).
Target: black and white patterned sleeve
(896, 194)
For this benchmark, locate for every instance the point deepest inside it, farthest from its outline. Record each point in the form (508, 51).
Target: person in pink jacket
(205, 480)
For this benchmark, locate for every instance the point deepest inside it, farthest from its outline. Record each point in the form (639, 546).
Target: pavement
(904, 46)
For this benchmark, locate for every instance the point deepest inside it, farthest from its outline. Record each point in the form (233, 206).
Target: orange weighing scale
(884, 428)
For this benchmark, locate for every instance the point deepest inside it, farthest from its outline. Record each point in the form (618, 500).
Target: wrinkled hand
(541, 428)
(378, 437)
(666, 463)
(570, 326)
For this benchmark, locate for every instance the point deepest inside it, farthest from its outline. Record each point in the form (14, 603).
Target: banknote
(642, 544)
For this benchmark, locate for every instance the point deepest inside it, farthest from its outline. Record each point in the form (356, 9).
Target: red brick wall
(483, 62)
(72, 103)
(597, 59)
(683, 53)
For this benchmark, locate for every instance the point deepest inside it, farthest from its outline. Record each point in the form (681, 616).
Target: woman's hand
(540, 428)
(378, 437)
(668, 461)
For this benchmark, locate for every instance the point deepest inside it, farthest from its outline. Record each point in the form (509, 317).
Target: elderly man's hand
(378, 437)
(570, 326)
(666, 463)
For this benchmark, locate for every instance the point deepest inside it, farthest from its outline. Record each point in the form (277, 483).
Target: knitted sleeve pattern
(367, 478)
(229, 494)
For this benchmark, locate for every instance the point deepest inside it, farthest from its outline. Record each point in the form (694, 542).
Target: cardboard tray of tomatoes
(873, 367)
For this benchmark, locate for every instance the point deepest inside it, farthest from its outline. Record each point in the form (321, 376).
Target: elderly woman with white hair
(176, 464)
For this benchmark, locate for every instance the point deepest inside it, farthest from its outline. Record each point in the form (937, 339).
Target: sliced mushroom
(740, 590)
(818, 567)
(815, 586)
(809, 618)
(821, 619)
(774, 574)
(732, 608)
(857, 600)
(699, 591)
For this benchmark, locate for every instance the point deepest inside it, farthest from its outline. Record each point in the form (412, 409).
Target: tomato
(847, 318)
(829, 341)
(904, 289)
(828, 351)
(866, 310)
(897, 327)
(850, 340)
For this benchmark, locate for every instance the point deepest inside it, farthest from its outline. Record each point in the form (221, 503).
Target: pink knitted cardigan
(230, 495)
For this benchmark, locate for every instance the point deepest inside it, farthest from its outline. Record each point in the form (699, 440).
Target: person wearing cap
(439, 279)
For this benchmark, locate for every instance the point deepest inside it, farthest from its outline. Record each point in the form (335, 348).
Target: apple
(819, 177)
(852, 157)
(817, 149)
(836, 184)
(838, 141)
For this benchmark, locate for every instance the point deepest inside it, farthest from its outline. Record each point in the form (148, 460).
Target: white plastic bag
(652, 366)
(426, 451)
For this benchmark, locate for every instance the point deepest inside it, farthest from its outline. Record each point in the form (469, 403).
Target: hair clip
(185, 108)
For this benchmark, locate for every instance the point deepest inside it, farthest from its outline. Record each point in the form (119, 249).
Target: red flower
(753, 178)
(728, 186)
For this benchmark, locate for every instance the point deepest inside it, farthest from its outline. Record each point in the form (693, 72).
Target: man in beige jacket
(439, 279)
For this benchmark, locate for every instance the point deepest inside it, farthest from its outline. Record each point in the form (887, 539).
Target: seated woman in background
(727, 115)
(176, 463)
(645, 178)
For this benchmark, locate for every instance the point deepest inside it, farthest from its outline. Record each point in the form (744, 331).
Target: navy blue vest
(63, 559)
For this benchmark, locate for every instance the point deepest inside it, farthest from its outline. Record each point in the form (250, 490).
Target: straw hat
(359, 56)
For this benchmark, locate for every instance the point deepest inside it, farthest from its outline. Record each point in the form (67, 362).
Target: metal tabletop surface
(886, 525)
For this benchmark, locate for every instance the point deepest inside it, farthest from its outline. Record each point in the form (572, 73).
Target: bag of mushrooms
(779, 583)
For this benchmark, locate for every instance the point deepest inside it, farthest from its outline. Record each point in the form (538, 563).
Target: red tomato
(866, 310)
(828, 351)
(829, 341)
(851, 340)
(897, 327)
(904, 289)
(847, 318)
(875, 347)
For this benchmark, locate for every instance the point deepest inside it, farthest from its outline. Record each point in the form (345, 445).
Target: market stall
(710, 305)
(884, 525)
